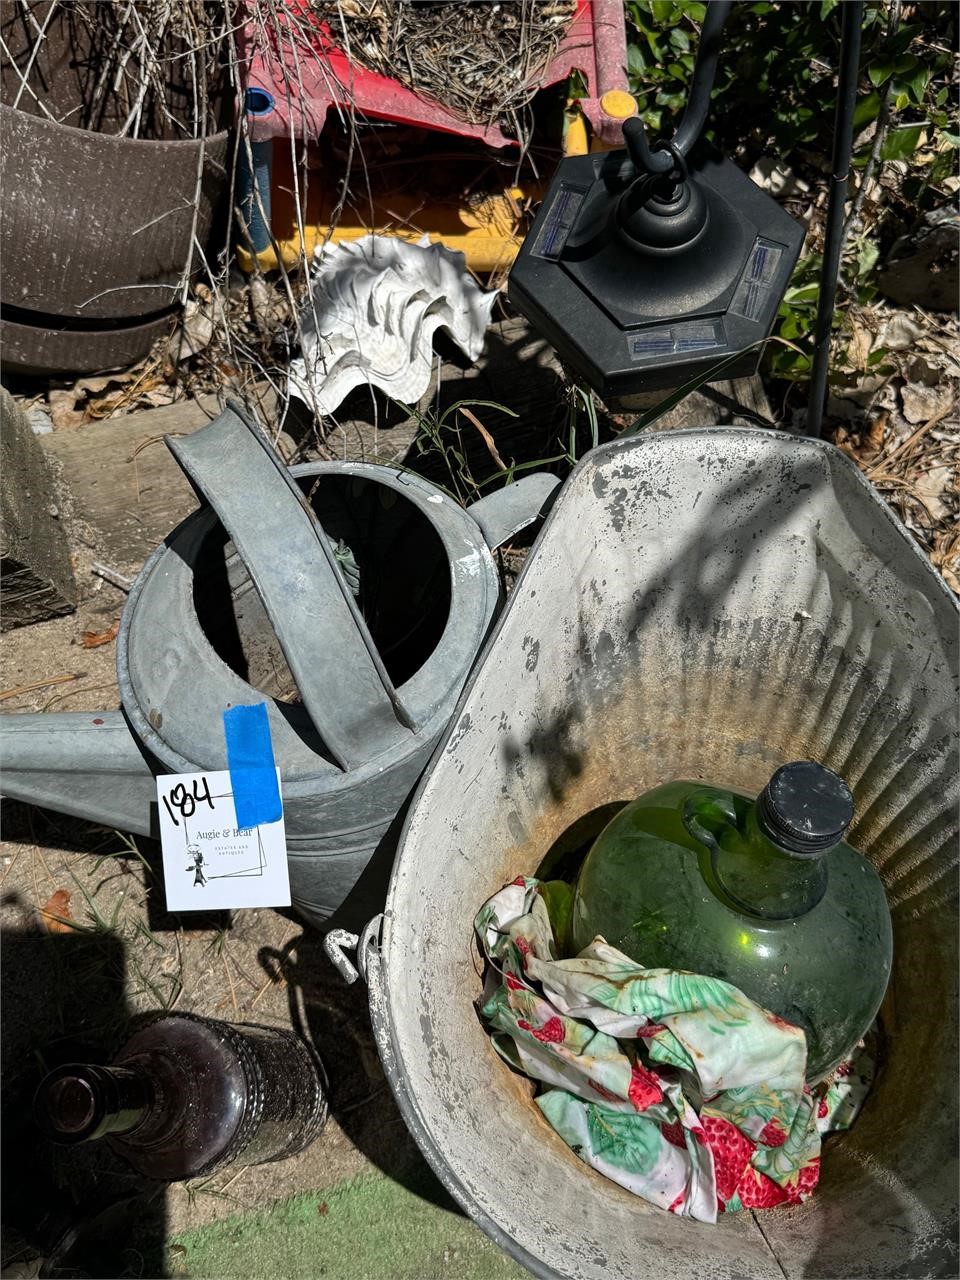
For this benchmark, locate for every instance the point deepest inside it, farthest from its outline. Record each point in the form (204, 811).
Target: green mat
(367, 1228)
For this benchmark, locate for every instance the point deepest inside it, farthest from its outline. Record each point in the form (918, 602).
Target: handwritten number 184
(185, 801)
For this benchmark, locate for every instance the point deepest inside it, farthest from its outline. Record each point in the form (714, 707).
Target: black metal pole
(833, 236)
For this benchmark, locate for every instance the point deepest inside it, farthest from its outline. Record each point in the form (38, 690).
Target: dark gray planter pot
(95, 235)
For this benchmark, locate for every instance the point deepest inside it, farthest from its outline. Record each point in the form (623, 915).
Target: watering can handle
(339, 673)
(502, 514)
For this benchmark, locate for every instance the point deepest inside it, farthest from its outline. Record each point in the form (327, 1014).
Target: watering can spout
(88, 764)
(506, 511)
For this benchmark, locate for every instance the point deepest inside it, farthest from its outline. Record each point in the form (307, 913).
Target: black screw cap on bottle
(805, 807)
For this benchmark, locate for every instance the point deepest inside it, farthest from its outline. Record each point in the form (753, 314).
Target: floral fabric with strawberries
(672, 1084)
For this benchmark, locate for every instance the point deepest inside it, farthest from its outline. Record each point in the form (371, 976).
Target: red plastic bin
(301, 73)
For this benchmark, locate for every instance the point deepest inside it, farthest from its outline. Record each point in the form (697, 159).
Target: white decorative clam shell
(374, 308)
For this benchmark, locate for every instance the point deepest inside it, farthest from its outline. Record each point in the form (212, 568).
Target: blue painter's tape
(253, 770)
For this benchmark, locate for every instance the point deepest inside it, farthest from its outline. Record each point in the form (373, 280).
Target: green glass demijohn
(764, 894)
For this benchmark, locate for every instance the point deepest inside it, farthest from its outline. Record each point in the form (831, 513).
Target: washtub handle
(339, 941)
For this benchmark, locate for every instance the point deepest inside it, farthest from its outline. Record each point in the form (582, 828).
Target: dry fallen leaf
(873, 440)
(844, 442)
(863, 446)
(923, 370)
(859, 347)
(921, 403)
(946, 557)
(899, 332)
(192, 335)
(929, 487)
(103, 406)
(97, 384)
(55, 913)
(485, 436)
(268, 307)
(94, 639)
(160, 396)
(62, 410)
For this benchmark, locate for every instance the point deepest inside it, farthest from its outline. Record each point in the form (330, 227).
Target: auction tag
(209, 863)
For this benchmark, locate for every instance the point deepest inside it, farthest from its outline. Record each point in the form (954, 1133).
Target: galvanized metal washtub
(706, 603)
(246, 602)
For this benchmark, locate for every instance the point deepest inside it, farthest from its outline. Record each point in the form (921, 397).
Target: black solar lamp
(646, 268)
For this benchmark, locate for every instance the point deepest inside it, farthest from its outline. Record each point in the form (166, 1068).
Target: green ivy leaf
(790, 366)
(640, 13)
(879, 75)
(653, 41)
(901, 143)
(826, 8)
(802, 293)
(918, 84)
(867, 256)
(906, 64)
(866, 111)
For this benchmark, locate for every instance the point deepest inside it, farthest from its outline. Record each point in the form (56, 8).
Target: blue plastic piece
(258, 102)
(254, 168)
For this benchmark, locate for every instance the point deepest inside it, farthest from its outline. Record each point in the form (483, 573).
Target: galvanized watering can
(253, 596)
(706, 603)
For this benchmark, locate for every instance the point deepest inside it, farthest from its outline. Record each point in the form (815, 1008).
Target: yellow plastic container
(487, 228)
